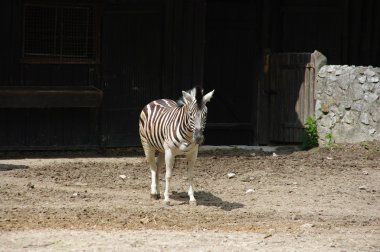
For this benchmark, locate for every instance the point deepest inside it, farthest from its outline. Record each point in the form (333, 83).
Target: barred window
(58, 34)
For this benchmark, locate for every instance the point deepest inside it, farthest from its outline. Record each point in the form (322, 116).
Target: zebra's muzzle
(198, 136)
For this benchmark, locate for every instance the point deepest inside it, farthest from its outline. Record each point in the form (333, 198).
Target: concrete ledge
(268, 149)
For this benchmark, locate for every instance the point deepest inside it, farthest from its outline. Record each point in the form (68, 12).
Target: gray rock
(332, 79)
(329, 91)
(362, 79)
(373, 79)
(371, 97)
(357, 106)
(349, 117)
(343, 85)
(369, 72)
(330, 69)
(326, 122)
(364, 118)
(375, 115)
(368, 86)
(356, 92)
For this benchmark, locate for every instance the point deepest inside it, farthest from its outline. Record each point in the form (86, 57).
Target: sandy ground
(325, 199)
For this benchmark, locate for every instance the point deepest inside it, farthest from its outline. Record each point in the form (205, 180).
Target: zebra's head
(197, 111)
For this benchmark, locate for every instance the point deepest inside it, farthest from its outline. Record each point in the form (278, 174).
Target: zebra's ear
(208, 96)
(188, 97)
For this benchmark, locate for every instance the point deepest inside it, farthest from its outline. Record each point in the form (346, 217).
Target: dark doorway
(131, 59)
(231, 61)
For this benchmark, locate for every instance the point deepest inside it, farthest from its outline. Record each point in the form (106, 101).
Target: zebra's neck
(185, 126)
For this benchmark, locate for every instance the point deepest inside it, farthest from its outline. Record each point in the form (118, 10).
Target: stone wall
(348, 103)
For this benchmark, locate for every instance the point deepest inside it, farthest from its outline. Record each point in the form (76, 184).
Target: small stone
(329, 158)
(338, 72)
(296, 217)
(372, 131)
(365, 172)
(253, 154)
(30, 185)
(122, 176)
(250, 191)
(267, 236)
(363, 187)
(144, 220)
(307, 226)
(231, 175)
(274, 154)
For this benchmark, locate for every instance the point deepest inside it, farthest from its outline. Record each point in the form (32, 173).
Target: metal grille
(58, 32)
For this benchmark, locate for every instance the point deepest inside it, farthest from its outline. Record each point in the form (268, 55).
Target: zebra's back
(154, 120)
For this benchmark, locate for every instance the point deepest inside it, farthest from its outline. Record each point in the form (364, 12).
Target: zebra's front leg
(169, 160)
(191, 158)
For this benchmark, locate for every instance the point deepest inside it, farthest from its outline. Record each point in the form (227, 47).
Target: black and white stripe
(173, 128)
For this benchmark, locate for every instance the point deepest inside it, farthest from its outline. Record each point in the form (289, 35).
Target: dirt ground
(324, 199)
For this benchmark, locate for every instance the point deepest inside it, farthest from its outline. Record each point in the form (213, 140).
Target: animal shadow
(10, 167)
(207, 199)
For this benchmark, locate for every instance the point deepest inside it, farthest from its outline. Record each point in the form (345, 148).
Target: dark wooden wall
(147, 50)
(346, 31)
(221, 44)
(40, 128)
(231, 62)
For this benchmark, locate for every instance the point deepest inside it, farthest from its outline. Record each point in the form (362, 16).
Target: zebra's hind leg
(160, 162)
(191, 158)
(150, 157)
(169, 161)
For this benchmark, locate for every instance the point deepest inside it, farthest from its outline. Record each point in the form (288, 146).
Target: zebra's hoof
(155, 196)
(193, 203)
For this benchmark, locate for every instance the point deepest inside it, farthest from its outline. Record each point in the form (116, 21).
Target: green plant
(329, 139)
(310, 139)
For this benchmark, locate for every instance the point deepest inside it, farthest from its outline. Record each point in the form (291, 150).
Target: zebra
(173, 128)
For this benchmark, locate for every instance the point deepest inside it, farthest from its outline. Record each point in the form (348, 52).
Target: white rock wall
(348, 103)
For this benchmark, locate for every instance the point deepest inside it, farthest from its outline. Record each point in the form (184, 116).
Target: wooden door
(291, 95)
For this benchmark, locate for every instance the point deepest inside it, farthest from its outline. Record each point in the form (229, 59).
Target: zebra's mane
(196, 92)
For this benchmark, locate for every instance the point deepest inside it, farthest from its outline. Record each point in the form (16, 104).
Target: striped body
(164, 124)
(173, 128)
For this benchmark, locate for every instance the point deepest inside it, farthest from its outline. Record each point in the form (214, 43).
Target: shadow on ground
(9, 167)
(207, 199)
